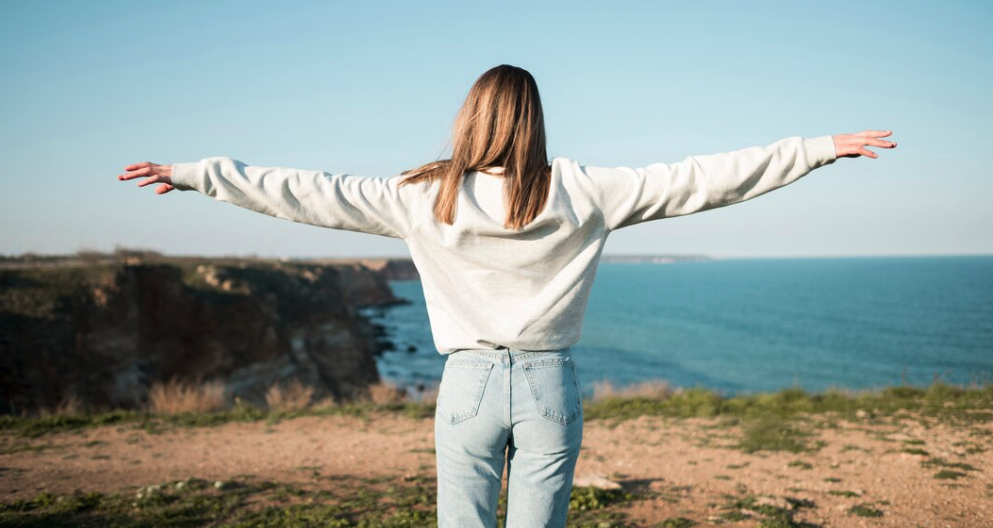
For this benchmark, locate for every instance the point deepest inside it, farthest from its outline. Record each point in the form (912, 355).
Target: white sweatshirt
(487, 286)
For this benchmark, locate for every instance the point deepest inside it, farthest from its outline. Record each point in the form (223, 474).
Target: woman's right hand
(853, 145)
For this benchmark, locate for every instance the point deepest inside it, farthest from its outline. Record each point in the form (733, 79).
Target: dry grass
(69, 405)
(429, 394)
(294, 397)
(385, 392)
(324, 403)
(651, 389)
(845, 391)
(176, 397)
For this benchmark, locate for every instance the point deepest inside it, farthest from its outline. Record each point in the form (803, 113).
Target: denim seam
(468, 363)
(507, 372)
(517, 355)
(552, 362)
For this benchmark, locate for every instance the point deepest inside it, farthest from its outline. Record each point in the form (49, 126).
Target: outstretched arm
(338, 201)
(630, 196)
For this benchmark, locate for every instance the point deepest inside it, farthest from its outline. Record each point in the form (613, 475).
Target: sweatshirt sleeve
(337, 201)
(629, 196)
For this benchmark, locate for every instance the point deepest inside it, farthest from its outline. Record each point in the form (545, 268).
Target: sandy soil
(687, 463)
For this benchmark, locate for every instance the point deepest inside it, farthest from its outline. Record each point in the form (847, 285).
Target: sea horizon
(747, 325)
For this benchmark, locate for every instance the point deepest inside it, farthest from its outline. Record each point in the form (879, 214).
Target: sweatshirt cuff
(820, 150)
(184, 176)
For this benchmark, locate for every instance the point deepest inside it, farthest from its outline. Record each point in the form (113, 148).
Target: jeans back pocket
(461, 389)
(555, 387)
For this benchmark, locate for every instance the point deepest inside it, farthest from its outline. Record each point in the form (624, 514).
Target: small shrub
(429, 394)
(175, 397)
(386, 393)
(69, 405)
(294, 397)
(648, 390)
(585, 498)
(328, 402)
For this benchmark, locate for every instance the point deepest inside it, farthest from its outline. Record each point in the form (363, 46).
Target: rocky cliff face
(105, 330)
(394, 269)
(386, 268)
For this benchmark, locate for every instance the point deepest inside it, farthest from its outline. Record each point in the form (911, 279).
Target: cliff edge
(104, 329)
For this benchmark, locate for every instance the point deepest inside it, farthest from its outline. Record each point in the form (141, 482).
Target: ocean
(741, 326)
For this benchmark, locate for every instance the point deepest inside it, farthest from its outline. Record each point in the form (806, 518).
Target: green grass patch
(19, 447)
(843, 493)
(949, 474)
(942, 463)
(772, 516)
(677, 522)
(351, 502)
(864, 510)
(36, 426)
(774, 433)
(587, 498)
(783, 522)
(939, 400)
(734, 516)
(769, 420)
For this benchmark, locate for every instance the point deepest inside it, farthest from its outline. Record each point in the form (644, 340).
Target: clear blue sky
(372, 88)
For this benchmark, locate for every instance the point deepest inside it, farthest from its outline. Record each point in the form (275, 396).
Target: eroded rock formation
(105, 330)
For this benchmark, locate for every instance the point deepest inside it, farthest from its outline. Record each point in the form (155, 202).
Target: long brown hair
(500, 124)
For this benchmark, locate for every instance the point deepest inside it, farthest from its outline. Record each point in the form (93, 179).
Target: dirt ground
(690, 464)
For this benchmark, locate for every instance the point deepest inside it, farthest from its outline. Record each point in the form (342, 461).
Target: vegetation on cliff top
(771, 421)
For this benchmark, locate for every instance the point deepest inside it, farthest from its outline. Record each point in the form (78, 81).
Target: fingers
(854, 144)
(881, 143)
(145, 169)
(867, 153)
(873, 133)
(154, 179)
(135, 173)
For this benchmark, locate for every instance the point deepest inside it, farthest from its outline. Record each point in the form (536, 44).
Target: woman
(507, 245)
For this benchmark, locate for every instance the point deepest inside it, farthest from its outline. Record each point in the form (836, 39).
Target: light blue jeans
(522, 407)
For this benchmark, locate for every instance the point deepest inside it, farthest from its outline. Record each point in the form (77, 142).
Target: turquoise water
(748, 325)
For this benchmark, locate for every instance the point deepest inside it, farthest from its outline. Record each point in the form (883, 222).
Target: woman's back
(488, 286)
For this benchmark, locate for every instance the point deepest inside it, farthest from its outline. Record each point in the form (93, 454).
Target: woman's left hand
(154, 172)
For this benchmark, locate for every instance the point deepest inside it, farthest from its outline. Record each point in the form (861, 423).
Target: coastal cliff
(102, 329)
